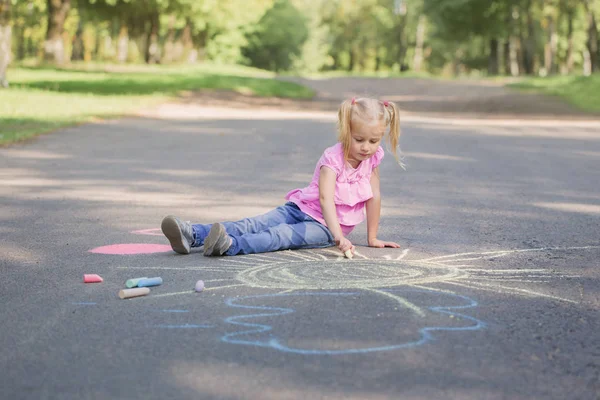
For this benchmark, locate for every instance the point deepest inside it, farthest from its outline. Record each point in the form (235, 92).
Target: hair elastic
(353, 100)
(386, 103)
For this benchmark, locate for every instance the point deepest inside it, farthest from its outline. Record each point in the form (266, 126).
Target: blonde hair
(369, 110)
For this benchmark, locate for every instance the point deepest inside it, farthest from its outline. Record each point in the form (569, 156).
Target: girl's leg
(286, 214)
(302, 235)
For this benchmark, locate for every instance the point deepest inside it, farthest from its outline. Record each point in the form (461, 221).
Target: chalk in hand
(149, 282)
(199, 286)
(348, 254)
(127, 293)
(131, 283)
(92, 278)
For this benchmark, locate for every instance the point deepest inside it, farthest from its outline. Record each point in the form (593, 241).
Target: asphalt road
(495, 293)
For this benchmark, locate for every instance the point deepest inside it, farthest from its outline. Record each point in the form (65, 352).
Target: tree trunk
(202, 42)
(402, 42)
(569, 62)
(78, 48)
(530, 43)
(493, 58)
(592, 40)
(550, 47)
(420, 42)
(506, 57)
(189, 54)
(169, 52)
(5, 34)
(511, 48)
(19, 33)
(152, 49)
(123, 44)
(54, 49)
(587, 63)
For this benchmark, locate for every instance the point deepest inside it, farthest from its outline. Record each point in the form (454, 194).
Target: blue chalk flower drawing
(412, 285)
(417, 294)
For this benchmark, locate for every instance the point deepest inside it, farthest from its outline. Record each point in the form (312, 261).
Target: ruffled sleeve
(332, 159)
(377, 157)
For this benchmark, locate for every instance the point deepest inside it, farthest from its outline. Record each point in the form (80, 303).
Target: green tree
(278, 37)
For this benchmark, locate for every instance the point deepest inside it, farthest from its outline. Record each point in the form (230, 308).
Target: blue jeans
(285, 227)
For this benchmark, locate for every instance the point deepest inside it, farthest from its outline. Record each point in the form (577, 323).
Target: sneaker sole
(215, 233)
(171, 230)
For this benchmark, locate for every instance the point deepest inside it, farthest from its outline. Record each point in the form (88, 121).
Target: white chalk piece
(199, 286)
(348, 254)
(128, 293)
(150, 282)
(131, 283)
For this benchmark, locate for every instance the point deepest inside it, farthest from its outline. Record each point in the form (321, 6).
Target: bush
(278, 38)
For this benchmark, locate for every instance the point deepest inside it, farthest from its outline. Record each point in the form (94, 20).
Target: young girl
(344, 184)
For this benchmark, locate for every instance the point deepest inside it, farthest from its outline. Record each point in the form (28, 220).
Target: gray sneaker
(179, 233)
(217, 242)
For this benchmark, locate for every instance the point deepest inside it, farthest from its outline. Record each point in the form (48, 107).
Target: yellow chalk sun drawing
(326, 269)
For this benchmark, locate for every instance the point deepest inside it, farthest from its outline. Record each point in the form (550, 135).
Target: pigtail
(394, 134)
(344, 121)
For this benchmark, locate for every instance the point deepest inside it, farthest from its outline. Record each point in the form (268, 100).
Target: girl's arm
(327, 181)
(373, 212)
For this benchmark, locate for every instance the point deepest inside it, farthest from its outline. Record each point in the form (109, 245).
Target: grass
(580, 91)
(40, 100)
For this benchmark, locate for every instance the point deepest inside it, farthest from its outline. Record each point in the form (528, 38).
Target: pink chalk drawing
(124, 249)
(132, 248)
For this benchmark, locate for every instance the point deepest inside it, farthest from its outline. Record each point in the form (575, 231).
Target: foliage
(462, 36)
(278, 37)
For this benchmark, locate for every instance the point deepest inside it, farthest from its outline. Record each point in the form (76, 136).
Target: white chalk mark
(267, 259)
(223, 287)
(478, 258)
(496, 288)
(404, 253)
(505, 271)
(508, 280)
(505, 252)
(227, 260)
(401, 300)
(172, 294)
(234, 267)
(335, 253)
(356, 253)
(426, 264)
(321, 256)
(208, 269)
(434, 289)
(303, 257)
(192, 291)
(287, 291)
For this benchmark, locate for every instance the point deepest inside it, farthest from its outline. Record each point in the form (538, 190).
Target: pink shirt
(352, 188)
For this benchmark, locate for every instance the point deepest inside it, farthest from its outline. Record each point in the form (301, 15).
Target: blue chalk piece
(150, 282)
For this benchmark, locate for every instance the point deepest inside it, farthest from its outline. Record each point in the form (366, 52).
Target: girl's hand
(381, 244)
(344, 244)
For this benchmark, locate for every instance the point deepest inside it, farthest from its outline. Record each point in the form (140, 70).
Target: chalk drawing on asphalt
(422, 289)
